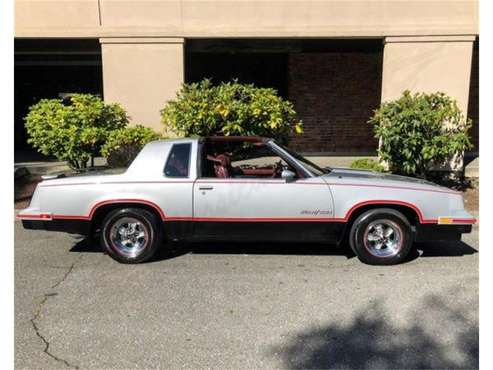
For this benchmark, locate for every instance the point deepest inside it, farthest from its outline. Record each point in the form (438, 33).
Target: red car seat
(222, 165)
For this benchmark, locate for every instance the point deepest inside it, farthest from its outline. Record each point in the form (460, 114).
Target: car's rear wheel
(381, 236)
(131, 235)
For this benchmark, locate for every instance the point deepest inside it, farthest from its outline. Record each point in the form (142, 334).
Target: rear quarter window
(178, 162)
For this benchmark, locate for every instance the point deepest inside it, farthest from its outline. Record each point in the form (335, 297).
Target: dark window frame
(300, 171)
(169, 157)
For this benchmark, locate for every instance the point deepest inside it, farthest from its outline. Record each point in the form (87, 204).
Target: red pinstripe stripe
(254, 219)
(139, 201)
(72, 183)
(99, 204)
(183, 182)
(41, 216)
(117, 182)
(273, 182)
(398, 187)
(68, 217)
(256, 182)
(464, 220)
(243, 219)
(323, 183)
(397, 202)
(146, 182)
(180, 218)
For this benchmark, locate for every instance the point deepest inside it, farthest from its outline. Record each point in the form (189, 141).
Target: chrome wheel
(129, 236)
(383, 238)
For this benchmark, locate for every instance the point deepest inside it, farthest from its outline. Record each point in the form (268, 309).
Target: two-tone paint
(315, 208)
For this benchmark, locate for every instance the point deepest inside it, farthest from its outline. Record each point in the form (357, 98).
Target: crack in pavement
(67, 273)
(37, 314)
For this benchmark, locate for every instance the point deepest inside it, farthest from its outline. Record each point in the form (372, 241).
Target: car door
(248, 207)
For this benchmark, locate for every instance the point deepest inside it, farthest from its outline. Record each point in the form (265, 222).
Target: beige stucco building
(336, 59)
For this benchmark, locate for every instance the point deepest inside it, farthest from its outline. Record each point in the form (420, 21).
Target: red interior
(223, 168)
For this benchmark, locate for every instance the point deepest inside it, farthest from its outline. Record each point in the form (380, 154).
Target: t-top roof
(252, 139)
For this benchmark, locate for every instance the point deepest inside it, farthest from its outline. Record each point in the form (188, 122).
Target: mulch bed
(471, 199)
(469, 188)
(24, 189)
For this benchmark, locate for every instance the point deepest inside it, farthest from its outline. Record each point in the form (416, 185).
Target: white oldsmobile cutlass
(246, 188)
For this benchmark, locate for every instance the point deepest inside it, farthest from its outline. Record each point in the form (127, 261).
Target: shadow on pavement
(173, 250)
(86, 245)
(445, 249)
(284, 248)
(436, 336)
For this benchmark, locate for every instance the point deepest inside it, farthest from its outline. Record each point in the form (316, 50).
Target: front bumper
(437, 232)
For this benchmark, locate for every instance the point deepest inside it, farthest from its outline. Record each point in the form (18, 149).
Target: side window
(257, 161)
(242, 160)
(178, 162)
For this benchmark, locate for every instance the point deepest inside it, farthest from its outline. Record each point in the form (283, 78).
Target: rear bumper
(435, 232)
(67, 226)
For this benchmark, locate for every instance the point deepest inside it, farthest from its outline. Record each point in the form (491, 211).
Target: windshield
(309, 165)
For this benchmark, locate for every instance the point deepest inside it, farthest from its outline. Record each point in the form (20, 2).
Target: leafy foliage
(367, 164)
(74, 129)
(123, 145)
(420, 130)
(202, 109)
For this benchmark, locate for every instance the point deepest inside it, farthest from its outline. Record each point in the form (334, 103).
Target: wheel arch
(101, 209)
(409, 210)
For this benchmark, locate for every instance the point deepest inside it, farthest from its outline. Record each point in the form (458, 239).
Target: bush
(419, 131)
(73, 129)
(367, 164)
(123, 145)
(202, 109)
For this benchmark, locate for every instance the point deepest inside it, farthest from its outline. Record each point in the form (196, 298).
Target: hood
(347, 175)
(370, 175)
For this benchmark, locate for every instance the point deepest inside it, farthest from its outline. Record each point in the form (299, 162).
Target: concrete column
(142, 74)
(428, 64)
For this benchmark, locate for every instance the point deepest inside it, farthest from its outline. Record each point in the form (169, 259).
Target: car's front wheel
(131, 235)
(381, 236)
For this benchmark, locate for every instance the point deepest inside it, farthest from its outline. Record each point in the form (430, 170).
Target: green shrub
(418, 131)
(123, 145)
(367, 164)
(74, 129)
(202, 109)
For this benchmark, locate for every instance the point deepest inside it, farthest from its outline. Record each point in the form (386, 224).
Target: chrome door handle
(206, 187)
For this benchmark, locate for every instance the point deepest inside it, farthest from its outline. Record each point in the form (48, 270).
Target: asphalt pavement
(256, 306)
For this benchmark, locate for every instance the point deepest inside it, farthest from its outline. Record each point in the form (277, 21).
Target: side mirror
(288, 175)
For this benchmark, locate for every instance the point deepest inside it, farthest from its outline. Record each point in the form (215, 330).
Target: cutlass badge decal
(316, 212)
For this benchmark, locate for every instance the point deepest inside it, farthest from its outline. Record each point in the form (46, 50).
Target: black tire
(388, 249)
(135, 221)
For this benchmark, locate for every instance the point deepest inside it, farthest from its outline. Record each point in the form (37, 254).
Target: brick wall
(473, 106)
(334, 94)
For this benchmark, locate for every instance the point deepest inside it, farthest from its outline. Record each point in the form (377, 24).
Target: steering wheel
(278, 168)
